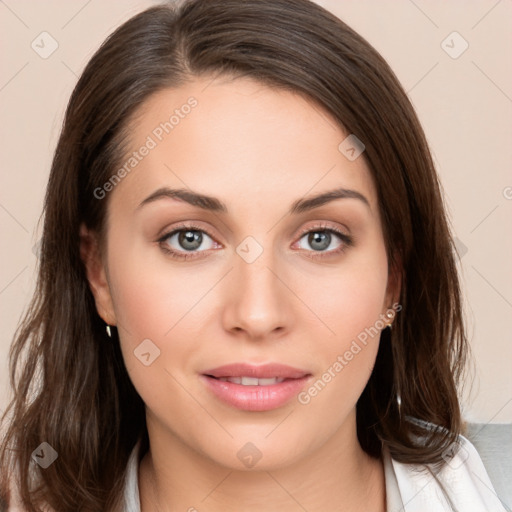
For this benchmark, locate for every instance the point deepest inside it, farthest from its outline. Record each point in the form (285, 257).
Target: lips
(255, 388)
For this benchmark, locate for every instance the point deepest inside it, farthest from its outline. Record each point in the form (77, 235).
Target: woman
(247, 296)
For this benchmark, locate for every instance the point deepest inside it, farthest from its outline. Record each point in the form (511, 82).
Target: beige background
(464, 103)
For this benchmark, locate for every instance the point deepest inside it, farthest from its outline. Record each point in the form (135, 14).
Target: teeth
(252, 381)
(269, 382)
(249, 381)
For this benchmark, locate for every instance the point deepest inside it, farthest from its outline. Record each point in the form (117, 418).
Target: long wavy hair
(71, 388)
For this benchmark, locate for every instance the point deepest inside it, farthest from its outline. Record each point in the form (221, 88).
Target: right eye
(185, 241)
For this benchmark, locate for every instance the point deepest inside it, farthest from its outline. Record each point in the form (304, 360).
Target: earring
(390, 315)
(109, 332)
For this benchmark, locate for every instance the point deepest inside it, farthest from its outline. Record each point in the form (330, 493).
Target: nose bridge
(257, 303)
(256, 280)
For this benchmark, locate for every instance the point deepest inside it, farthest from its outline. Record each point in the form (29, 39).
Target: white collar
(460, 485)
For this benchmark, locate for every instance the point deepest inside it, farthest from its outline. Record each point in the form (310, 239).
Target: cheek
(345, 363)
(151, 293)
(347, 298)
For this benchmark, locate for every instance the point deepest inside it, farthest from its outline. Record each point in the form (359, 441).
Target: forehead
(239, 140)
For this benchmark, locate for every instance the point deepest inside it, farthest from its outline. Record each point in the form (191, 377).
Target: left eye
(321, 240)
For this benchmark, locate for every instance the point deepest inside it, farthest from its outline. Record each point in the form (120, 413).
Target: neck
(339, 475)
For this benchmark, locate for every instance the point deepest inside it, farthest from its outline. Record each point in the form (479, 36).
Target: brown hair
(71, 388)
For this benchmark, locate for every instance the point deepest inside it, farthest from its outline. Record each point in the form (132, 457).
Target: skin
(258, 150)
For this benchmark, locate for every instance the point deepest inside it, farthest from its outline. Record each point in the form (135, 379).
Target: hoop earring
(109, 332)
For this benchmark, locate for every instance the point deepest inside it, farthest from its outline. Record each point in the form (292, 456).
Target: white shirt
(462, 481)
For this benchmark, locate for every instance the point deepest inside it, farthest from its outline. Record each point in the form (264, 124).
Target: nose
(258, 304)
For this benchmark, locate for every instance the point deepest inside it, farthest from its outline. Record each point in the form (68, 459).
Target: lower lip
(255, 398)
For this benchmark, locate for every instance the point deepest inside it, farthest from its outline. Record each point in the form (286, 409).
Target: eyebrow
(213, 204)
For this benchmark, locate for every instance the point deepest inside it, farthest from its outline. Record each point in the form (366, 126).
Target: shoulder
(460, 483)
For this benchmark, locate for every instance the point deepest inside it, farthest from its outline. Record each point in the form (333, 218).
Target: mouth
(250, 381)
(255, 388)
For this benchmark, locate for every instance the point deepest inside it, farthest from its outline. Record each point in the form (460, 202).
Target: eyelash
(347, 241)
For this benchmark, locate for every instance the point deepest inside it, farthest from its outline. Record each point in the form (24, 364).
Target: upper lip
(264, 371)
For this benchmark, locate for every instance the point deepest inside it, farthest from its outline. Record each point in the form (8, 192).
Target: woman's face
(255, 275)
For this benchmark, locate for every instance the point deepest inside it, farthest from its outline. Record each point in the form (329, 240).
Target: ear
(96, 274)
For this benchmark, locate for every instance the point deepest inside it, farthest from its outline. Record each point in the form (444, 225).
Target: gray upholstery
(493, 442)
